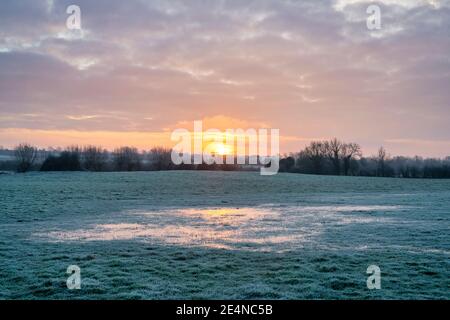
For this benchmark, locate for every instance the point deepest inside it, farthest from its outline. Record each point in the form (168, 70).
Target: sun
(221, 149)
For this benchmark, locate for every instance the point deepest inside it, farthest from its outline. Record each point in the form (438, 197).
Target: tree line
(98, 159)
(88, 158)
(335, 157)
(332, 157)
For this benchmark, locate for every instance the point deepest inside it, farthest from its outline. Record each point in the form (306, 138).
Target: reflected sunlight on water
(258, 228)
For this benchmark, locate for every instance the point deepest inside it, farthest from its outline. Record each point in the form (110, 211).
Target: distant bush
(66, 161)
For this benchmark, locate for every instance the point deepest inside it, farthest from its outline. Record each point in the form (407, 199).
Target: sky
(139, 69)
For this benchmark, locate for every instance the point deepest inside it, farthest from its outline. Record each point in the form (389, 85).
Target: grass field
(222, 235)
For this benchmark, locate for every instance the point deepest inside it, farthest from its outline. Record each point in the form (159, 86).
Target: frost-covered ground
(222, 235)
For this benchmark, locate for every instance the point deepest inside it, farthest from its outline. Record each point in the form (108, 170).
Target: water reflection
(253, 228)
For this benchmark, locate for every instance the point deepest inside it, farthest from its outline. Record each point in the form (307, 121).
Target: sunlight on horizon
(221, 149)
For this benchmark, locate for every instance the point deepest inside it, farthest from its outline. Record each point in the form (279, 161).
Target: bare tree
(381, 159)
(160, 158)
(349, 152)
(94, 158)
(316, 152)
(74, 149)
(25, 155)
(333, 149)
(127, 159)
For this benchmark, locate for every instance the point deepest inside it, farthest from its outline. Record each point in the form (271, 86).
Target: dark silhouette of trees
(381, 172)
(126, 159)
(287, 164)
(328, 157)
(349, 152)
(68, 160)
(94, 158)
(380, 165)
(319, 157)
(333, 151)
(316, 153)
(25, 155)
(160, 158)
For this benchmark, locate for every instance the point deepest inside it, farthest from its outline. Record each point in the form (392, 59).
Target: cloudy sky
(139, 69)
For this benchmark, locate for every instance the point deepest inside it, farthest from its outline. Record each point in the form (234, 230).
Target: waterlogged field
(222, 235)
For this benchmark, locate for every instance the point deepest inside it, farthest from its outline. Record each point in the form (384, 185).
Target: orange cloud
(221, 123)
(106, 139)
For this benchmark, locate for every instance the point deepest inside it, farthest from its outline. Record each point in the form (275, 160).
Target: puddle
(252, 228)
